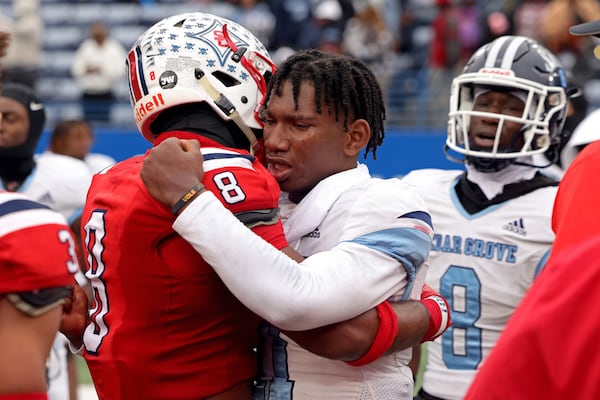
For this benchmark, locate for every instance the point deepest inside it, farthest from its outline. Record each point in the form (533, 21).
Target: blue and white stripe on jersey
(410, 245)
(215, 158)
(19, 212)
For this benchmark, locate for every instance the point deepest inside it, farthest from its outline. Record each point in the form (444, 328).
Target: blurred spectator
(469, 29)
(528, 17)
(558, 17)
(22, 61)
(366, 36)
(74, 138)
(290, 18)
(444, 58)
(325, 29)
(257, 17)
(499, 20)
(98, 65)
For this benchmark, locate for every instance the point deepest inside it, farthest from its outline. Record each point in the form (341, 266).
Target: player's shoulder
(61, 165)
(220, 158)
(390, 194)
(427, 176)
(247, 170)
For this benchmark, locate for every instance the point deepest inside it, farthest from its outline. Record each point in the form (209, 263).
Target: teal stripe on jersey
(409, 246)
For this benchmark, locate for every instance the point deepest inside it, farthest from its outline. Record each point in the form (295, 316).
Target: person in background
(97, 71)
(364, 239)
(33, 286)
(57, 181)
(74, 138)
(525, 363)
(26, 28)
(444, 57)
(492, 220)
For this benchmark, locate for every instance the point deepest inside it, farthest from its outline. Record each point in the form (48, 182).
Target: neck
(14, 171)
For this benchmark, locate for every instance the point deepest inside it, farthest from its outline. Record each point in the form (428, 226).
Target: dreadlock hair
(345, 85)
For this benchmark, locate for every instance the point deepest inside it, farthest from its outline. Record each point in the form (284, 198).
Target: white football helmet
(514, 64)
(198, 57)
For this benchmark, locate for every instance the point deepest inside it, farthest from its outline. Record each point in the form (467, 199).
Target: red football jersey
(576, 214)
(164, 326)
(37, 249)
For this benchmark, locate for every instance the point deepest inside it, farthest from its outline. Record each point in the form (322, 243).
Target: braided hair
(343, 84)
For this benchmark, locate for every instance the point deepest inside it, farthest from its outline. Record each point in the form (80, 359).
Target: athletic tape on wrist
(439, 317)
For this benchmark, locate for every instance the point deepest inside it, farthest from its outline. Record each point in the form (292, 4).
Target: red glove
(439, 313)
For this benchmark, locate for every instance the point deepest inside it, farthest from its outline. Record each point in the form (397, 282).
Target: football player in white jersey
(365, 239)
(492, 221)
(56, 181)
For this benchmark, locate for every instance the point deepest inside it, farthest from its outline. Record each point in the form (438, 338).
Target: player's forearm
(346, 341)
(350, 340)
(413, 322)
(294, 296)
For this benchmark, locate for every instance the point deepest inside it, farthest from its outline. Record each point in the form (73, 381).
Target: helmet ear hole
(226, 79)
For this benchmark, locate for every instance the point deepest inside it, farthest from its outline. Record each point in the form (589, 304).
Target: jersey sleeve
(52, 263)
(290, 295)
(247, 189)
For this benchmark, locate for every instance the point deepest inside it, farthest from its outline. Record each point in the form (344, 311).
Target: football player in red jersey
(163, 325)
(33, 285)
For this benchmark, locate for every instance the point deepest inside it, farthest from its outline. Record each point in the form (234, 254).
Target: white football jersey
(483, 264)
(371, 215)
(59, 182)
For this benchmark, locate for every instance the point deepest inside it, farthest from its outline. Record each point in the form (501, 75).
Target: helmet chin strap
(227, 107)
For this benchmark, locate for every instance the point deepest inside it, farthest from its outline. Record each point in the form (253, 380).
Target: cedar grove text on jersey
(474, 247)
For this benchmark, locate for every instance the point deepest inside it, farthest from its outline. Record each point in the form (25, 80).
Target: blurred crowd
(414, 46)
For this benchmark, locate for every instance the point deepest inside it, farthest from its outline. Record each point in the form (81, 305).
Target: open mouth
(483, 140)
(279, 169)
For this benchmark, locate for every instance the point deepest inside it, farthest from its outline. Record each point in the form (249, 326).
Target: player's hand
(439, 312)
(171, 169)
(75, 316)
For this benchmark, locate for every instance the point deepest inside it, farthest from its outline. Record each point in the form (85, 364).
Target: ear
(359, 133)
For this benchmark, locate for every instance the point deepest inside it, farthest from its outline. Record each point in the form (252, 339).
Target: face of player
(483, 130)
(302, 146)
(14, 123)
(77, 142)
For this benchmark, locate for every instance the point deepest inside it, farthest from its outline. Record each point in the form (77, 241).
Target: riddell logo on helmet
(149, 106)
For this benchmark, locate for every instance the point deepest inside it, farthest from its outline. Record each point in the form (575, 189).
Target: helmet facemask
(541, 118)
